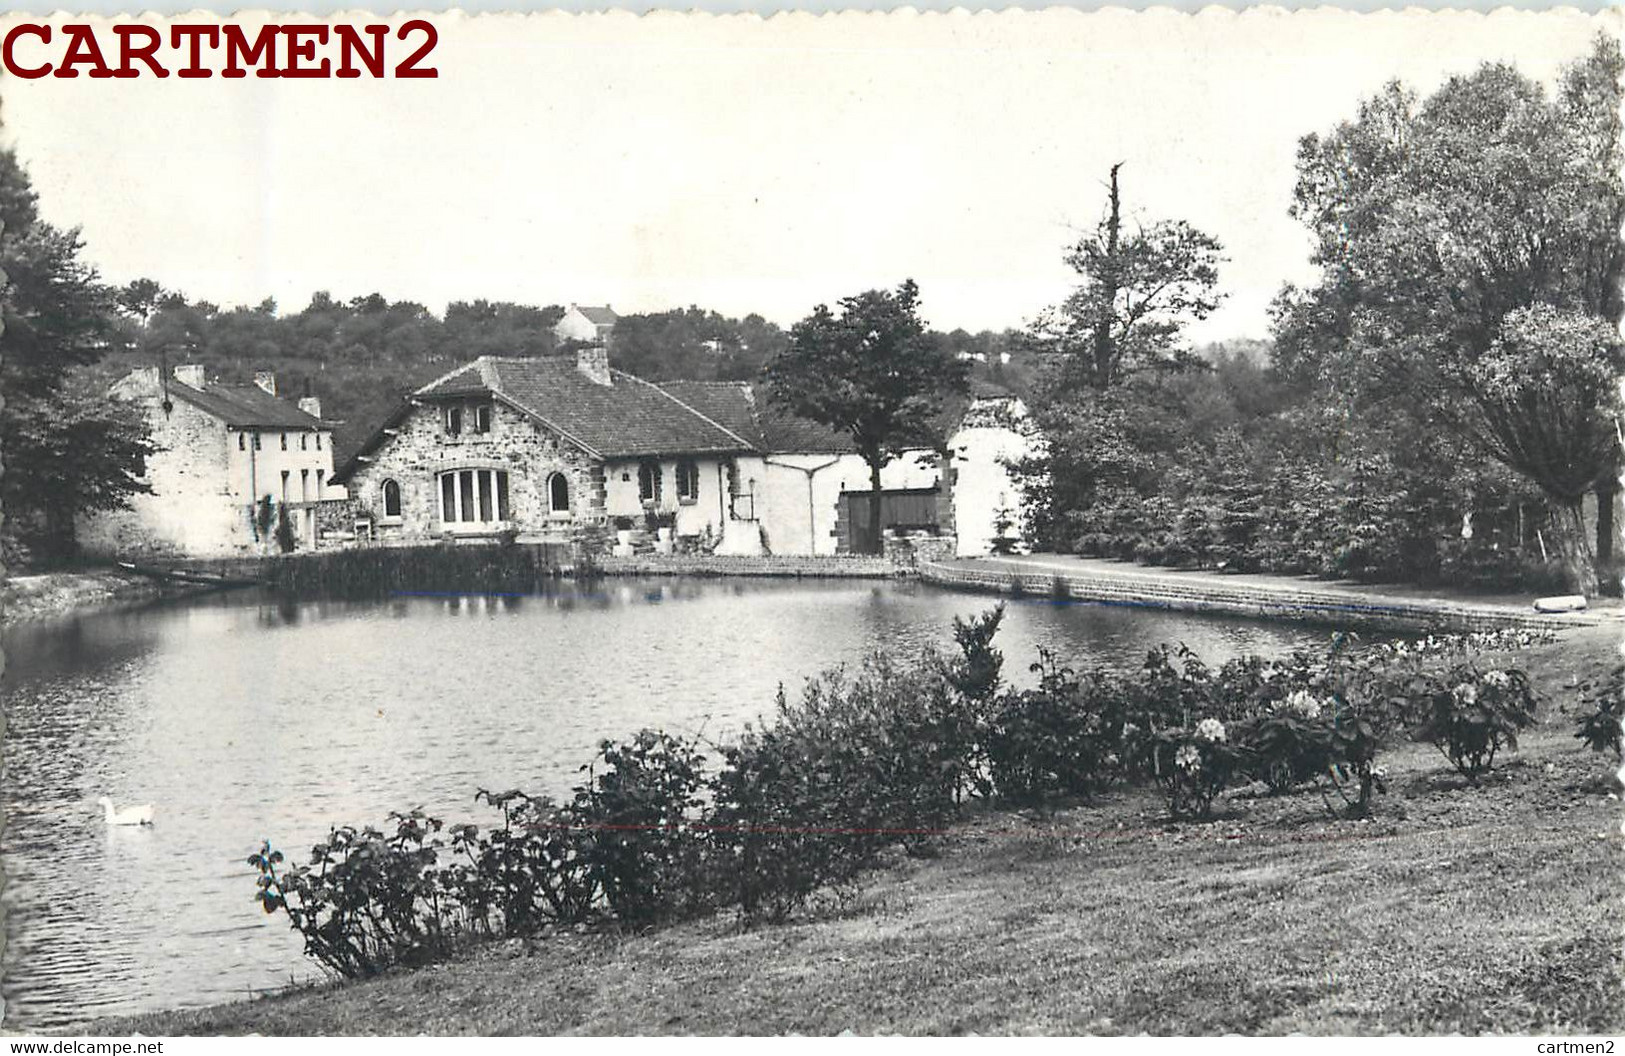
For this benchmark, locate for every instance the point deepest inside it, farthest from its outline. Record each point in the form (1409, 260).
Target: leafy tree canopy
(1471, 264)
(870, 372)
(1137, 289)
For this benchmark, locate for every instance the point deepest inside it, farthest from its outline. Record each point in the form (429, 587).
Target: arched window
(558, 493)
(392, 499)
(478, 496)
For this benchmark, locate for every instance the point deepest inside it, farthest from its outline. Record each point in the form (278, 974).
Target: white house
(805, 486)
(227, 456)
(585, 322)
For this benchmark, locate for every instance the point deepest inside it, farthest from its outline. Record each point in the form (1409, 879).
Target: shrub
(533, 870)
(1059, 739)
(895, 739)
(1194, 765)
(365, 901)
(879, 757)
(1470, 716)
(1289, 743)
(638, 811)
(1600, 729)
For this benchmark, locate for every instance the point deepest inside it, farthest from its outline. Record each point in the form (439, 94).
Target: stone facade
(422, 449)
(208, 475)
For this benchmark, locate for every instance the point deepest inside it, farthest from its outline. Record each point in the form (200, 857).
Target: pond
(244, 717)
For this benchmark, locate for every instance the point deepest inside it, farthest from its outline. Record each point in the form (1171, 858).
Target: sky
(737, 163)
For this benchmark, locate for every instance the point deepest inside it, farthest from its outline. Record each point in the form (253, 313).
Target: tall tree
(1136, 291)
(869, 372)
(1471, 266)
(68, 448)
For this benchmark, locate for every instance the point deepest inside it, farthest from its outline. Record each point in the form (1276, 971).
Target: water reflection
(245, 717)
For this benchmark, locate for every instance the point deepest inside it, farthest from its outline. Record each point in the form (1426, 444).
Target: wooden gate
(905, 509)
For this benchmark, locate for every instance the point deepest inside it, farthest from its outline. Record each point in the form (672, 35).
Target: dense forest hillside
(363, 355)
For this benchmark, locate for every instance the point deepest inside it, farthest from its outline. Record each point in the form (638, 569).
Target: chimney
(190, 374)
(266, 379)
(311, 405)
(593, 361)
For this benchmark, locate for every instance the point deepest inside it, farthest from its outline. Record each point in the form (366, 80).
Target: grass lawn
(1467, 908)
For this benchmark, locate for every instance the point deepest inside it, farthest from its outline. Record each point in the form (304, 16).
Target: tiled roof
(737, 405)
(245, 406)
(728, 403)
(774, 430)
(628, 418)
(598, 315)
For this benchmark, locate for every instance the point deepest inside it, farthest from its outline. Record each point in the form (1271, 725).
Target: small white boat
(141, 815)
(1562, 603)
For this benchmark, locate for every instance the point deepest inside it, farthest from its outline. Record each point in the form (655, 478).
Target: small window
(321, 475)
(304, 441)
(558, 493)
(318, 441)
(688, 481)
(649, 481)
(242, 441)
(304, 485)
(284, 441)
(454, 420)
(482, 418)
(392, 499)
(284, 487)
(256, 441)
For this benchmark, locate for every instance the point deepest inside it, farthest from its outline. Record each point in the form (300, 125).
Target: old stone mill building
(559, 449)
(229, 456)
(566, 449)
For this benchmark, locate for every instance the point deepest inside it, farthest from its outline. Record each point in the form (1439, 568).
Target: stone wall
(1325, 607)
(845, 567)
(192, 509)
(906, 551)
(528, 452)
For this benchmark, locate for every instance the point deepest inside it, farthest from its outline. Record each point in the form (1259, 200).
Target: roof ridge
(703, 417)
(442, 379)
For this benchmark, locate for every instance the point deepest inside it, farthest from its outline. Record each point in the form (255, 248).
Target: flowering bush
(882, 756)
(1194, 765)
(1470, 716)
(1290, 741)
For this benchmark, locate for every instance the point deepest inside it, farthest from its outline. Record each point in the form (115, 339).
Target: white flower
(1211, 730)
(1304, 703)
(1499, 679)
(1379, 771)
(1188, 758)
(1466, 693)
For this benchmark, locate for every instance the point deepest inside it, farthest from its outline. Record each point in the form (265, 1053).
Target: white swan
(141, 815)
